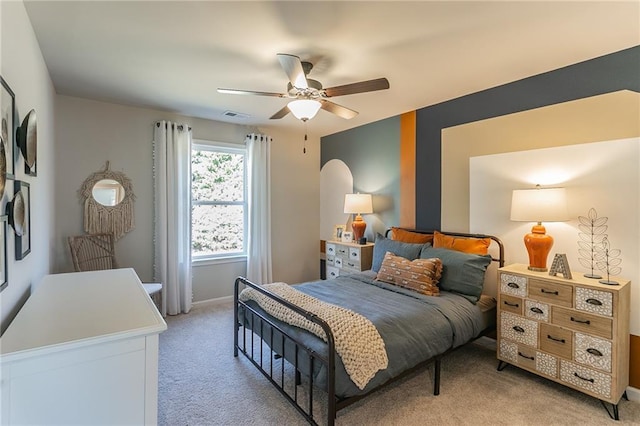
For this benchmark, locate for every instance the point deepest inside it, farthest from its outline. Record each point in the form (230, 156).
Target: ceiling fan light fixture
(304, 109)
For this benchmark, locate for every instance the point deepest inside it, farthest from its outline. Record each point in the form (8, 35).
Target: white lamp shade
(539, 205)
(304, 109)
(358, 203)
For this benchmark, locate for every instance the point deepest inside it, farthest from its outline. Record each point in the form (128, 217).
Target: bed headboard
(496, 250)
(496, 257)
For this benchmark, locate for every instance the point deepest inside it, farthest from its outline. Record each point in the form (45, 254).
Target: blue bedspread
(414, 327)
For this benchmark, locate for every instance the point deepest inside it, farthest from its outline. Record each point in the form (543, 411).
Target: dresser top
(577, 277)
(81, 308)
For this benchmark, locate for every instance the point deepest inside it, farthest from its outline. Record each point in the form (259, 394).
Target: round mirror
(108, 192)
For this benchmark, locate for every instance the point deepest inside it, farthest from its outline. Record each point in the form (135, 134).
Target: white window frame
(204, 145)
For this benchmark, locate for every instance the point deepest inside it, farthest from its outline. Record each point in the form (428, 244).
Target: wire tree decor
(592, 234)
(608, 261)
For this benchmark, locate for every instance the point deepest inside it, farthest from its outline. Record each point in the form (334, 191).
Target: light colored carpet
(201, 383)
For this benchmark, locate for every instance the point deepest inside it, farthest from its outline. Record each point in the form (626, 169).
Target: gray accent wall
(372, 153)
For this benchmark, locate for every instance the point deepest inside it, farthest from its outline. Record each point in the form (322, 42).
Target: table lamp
(358, 204)
(539, 205)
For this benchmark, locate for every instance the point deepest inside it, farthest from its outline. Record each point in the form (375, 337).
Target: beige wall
(23, 68)
(599, 118)
(89, 133)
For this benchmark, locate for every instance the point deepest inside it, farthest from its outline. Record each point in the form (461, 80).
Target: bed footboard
(281, 358)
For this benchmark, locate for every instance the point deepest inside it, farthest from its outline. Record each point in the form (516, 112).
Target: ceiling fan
(308, 95)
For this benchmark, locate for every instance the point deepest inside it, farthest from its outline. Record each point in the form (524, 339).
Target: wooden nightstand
(346, 258)
(574, 332)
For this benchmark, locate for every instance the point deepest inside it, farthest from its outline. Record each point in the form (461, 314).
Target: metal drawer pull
(518, 329)
(513, 285)
(594, 351)
(353, 265)
(537, 310)
(594, 302)
(527, 357)
(583, 378)
(555, 293)
(580, 321)
(555, 339)
(515, 305)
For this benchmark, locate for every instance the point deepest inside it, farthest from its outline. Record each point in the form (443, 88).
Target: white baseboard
(216, 301)
(633, 394)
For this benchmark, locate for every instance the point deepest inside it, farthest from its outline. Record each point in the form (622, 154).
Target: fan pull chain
(304, 147)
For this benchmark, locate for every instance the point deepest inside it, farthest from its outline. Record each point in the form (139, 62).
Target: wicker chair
(97, 252)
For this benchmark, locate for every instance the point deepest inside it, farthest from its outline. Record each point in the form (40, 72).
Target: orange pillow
(405, 236)
(463, 244)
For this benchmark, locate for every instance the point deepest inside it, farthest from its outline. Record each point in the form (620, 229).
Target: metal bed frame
(264, 344)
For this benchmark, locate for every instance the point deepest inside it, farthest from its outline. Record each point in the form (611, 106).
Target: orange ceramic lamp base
(358, 225)
(538, 245)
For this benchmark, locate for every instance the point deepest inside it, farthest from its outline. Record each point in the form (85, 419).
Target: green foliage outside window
(217, 191)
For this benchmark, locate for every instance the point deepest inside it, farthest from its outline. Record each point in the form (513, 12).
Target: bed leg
(436, 374)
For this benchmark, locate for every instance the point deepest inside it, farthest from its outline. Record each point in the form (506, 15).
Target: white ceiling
(173, 55)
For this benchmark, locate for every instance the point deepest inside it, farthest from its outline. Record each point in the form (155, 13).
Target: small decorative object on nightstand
(574, 332)
(346, 258)
(560, 265)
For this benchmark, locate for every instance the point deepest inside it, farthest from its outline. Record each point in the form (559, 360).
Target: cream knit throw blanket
(356, 339)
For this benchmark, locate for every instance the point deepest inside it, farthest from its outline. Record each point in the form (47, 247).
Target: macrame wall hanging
(103, 217)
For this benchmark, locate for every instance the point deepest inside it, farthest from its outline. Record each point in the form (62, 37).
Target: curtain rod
(180, 126)
(255, 137)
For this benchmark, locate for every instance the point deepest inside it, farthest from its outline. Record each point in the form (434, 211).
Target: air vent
(233, 114)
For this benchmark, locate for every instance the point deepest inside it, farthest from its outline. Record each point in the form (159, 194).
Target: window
(219, 207)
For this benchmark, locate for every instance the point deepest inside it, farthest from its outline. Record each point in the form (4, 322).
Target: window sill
(219, 260)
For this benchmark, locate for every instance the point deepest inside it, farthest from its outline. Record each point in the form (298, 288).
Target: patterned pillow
(421, 275)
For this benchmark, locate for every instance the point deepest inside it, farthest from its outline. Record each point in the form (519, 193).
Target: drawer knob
(580, 321)
(537, 310)
(594, 351)
(515, 305)
(583, 378)
(524, 356)
(555, 339)
(595, 302)
(513, 285)
(518, 329)
(555, 293)
(354, 254)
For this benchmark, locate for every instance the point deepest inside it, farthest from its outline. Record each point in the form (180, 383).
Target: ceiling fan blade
(250, 92)
(293, 68)
(284, 111)
(360, 87)
(338, 110)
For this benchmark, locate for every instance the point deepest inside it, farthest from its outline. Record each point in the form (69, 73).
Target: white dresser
(83, 350)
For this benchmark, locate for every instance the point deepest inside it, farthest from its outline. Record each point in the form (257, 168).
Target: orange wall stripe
(634, 362)
(408, 170)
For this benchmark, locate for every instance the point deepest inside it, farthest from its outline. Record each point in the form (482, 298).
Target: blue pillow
(462, 273)
(383, 245)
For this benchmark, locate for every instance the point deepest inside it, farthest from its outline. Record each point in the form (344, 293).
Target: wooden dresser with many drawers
(572, 331)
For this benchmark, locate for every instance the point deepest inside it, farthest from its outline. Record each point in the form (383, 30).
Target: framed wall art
(19, 212)
(7, 114)
(4, 274)
(27, 142)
